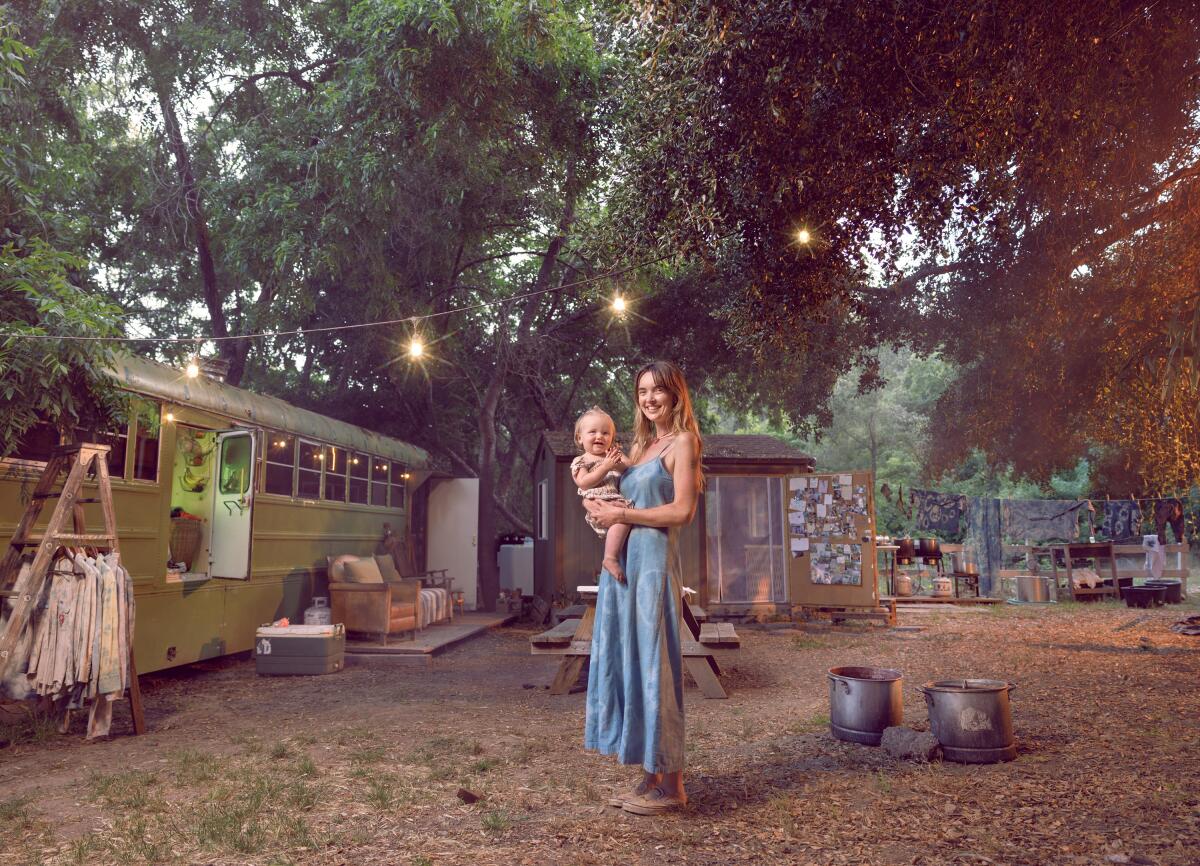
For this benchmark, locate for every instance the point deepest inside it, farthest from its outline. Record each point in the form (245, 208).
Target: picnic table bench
(572, 640)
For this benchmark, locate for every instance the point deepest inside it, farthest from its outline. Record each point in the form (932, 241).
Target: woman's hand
(604, 513)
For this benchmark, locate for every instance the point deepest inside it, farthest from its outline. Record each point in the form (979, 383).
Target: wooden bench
(571, 641)
(719, 634)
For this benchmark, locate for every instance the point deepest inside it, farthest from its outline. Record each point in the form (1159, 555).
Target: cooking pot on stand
(906, 551)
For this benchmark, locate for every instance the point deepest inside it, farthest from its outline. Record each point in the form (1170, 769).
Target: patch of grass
(421, 861)
(305, 768)
(130, 789)
(441, 772)
(301, 796)
(815, 722)
(131, 840)
(780, 814)
(14, 812)
(474, 748)
(484, 764)
(368, 755)
(803, 642)
(250, 743)
(381, 792)
(527, 751)
(280, 750)
(293, 832)
(496, 822)
(355, 736)
(36, 728)
(193, 767)
(304, 739)
(84, 850)
(231, 823)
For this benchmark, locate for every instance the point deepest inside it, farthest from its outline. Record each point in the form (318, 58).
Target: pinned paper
(845, 480)
(820, 509)
(845, 488)
(797, 483)
(829, 499)
(799, 545)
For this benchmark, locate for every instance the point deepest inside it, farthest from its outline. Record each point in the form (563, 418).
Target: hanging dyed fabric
(1038, 520)
(1122, 521)
(1168, 512)
(940, 512)
(982, 540)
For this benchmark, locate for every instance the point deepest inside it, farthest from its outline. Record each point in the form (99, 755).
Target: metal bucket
(863, 701)
(1031, 587)
(971, 719)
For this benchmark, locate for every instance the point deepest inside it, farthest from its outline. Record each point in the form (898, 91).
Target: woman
(635, 684)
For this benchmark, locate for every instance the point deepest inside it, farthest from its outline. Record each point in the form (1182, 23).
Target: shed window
(308, 470)
(335, 473)
(360, 470)
(147, 416)
(379, 482)
(399, 484)
(280, 463)
(543, 511)
(744, 528)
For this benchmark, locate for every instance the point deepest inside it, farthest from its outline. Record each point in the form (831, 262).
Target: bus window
(236, 465)
(116, 440)
(360, 468)
(308, 472)
(145, 444)
(399, 484)
(280, 463)
(335, 473)
(379, 481)
(40, 440)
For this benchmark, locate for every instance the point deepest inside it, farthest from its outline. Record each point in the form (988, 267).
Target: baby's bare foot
(613, 566)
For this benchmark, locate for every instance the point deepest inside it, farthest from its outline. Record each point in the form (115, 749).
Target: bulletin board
(831, 539)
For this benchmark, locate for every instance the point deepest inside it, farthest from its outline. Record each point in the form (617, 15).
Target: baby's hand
(614, 459)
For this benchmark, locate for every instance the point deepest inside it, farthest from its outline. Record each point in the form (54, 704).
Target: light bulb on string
(192, 370)
(803, 236)
(416, 349)
(618, 304)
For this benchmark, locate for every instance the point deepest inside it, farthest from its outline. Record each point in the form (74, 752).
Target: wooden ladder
(76, 461)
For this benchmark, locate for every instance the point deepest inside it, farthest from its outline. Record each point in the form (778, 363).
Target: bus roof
(149, 378)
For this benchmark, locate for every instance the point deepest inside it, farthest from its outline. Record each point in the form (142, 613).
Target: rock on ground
(902, 742)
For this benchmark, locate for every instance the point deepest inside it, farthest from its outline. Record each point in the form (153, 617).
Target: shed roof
(718, 448)
(152, 379)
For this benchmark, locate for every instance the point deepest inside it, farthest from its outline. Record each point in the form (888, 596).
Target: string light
(170, 417)
(192, 370)
(416, 348)
(618, 304)
(803, 236)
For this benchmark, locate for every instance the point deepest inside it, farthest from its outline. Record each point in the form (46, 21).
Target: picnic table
(571, 639)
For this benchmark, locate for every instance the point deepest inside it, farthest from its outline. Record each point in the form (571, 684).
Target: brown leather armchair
(363, 603)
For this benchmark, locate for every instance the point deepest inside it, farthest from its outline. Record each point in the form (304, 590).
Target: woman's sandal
(654, 802)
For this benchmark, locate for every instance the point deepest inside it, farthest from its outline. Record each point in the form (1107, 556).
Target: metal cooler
(299, 649)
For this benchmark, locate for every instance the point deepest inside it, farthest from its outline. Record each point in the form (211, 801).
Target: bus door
(233, 498)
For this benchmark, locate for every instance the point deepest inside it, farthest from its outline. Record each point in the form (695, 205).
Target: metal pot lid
(967, 686)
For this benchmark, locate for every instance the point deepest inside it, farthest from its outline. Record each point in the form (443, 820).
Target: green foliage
(43, 375)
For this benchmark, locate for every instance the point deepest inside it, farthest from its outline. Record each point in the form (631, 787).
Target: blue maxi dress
(635, 681)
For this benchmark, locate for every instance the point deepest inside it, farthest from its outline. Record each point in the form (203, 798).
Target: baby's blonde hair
(595, 410)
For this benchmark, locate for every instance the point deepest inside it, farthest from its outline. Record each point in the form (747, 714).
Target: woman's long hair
(668, 376)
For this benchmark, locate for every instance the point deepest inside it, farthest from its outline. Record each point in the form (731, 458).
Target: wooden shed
(734, 552)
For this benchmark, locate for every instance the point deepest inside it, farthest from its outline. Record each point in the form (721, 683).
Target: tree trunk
(194, 208)
(489, 570)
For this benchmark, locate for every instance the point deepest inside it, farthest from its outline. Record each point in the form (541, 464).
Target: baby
(597, 472)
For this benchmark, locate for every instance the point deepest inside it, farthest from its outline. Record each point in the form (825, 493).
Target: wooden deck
(433, 640)
(966, 601)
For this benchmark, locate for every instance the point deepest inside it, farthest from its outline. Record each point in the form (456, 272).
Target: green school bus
(227, 503)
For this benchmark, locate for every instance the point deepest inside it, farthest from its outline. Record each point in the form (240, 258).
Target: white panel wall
(453, 538)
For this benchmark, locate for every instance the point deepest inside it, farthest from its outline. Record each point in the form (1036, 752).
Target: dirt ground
(363, 766)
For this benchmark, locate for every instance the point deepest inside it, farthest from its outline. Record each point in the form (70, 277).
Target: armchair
(364, 602)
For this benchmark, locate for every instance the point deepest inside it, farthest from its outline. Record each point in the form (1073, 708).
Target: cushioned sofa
(362, 588)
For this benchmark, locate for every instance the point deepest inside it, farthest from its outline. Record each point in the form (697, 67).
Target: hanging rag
(1122, 521)
(1038, 520)
(982, 540)
(940, 512)
(1168, 512)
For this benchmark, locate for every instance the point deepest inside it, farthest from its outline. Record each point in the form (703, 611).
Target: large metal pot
(1033, 587)
(906, 551)
(972, 719)
(929, 550)
(863, 701)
